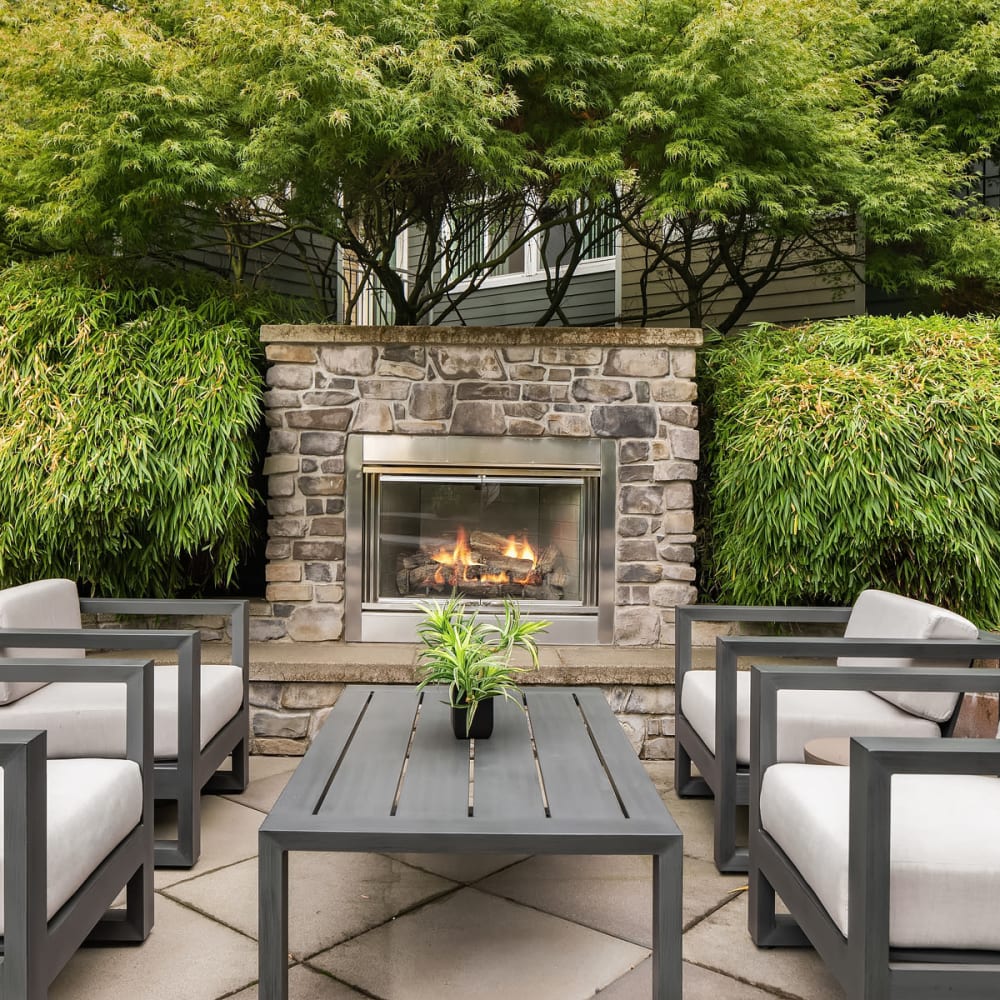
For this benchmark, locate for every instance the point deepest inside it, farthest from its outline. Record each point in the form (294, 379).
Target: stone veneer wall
(327, 382)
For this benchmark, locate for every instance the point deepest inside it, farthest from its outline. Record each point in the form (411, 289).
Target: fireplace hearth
(520, 518)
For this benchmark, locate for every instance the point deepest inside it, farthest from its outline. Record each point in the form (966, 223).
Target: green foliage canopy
(859, 453)
(128, 404)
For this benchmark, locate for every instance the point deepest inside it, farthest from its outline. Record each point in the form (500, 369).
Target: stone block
(401, 369)
(319, 572)
(569, 407)
(372, 416)
(506, 391)
(640, 362)
(676, 553)
(322, 443)
(330, 397)
(633, 527)
(332, 465)
(678, 571)
(624, 421)
(385, 388)
(637, 550)
(674, 390)
(274, 418)
(330, 525)
(283, 725)
(601, 390)
(468, 362)
(411, 353)
(639, 572)
(635, 474)
(519, 354)
(642, 394)
(331, 419)
(316, 624)
(318, 718)
(634, 728)
(527, 373)
(683, 362)
(282, 506)
(637, 627)
(683, 415)
(282, 399)
(314, 486)
(545, 392)
(421, 427)
(264, 747)
(528, 411)
(524, 428)
(674, 470)
(348, 359)
(282, 442)
(288, 592)
(280, 486)
(684, 442)
(330, 593)
(290, 377)
(264, 694)
(314, 549)
(678, 522)
(669, 595)
(571, 355)
(568, 424)
(432, 401)
(298, 353)
(266, 630)
(641, 500)
(679, 495)
(478, 418)
(287, 527)
(304, 695)
(630, 452)
(278, 549)
(283, 572)
(660, 748)
(277, 464)
(560, 374)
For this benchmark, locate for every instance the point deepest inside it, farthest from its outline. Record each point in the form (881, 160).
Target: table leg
(272, 946)
(667, 922)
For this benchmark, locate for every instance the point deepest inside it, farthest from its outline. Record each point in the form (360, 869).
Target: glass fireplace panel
(485, 537)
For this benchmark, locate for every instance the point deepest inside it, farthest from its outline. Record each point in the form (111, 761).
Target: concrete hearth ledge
(394, 663)
(484, 336)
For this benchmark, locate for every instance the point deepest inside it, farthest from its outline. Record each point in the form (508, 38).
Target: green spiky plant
(472, 656)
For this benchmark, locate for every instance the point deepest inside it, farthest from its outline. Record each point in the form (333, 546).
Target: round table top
(828, 750)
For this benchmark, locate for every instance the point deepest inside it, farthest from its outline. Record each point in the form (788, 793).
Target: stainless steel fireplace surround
(486, 517)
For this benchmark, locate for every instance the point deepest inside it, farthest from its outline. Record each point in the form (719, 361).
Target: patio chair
(201, 713)
(713, 706)
(894, 880)
(75, 833)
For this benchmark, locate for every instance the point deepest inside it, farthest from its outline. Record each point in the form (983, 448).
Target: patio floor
(416, 927)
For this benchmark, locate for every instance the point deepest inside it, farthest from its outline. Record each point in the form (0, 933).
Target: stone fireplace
(551, 465)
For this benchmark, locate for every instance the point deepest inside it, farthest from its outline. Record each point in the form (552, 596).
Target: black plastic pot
(482, 721)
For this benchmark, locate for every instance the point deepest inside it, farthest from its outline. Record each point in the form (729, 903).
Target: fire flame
(460, 558)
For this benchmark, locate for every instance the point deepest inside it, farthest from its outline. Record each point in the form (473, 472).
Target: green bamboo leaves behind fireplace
(128, 404)
(850, 454)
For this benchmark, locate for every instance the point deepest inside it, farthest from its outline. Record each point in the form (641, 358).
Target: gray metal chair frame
(34, 947)
(863, 963)
(719, 774)
(196, 769)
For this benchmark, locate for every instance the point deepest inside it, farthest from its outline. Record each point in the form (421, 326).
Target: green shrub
(863, 452)
(128, 403)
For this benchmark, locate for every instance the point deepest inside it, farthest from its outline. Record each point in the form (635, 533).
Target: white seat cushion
(879, 615)
(802, 715)
(92, 806)
(42, 604)
(945, 850)
(89, 719)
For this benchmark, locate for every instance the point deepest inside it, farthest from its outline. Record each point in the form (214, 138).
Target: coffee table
(386, 774)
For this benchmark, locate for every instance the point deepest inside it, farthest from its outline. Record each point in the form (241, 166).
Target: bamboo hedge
(128, 403)
(852, 454)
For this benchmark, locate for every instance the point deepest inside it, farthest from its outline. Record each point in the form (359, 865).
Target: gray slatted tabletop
(385, 773)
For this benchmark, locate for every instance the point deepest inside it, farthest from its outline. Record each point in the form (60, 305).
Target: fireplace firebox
(485, 518)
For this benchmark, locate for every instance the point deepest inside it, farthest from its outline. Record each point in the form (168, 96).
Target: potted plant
(473, 658)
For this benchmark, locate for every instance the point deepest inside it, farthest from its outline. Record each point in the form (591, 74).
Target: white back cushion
(41, 604)
(880, 615)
